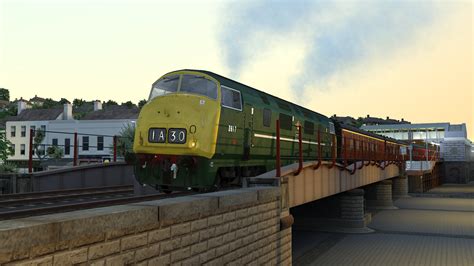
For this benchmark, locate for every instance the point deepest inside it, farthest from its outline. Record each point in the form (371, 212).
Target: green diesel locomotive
(202, 131)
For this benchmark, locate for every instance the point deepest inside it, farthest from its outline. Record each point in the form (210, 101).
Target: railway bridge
(248, 225)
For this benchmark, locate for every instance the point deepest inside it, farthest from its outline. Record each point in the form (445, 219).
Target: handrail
(278, 163)
(319, 149)
(300, 151)
(333, 151)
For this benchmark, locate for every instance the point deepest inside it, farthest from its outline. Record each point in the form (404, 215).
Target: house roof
(113, 112)
(37, 115)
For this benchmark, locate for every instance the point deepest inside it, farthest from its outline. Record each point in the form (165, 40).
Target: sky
(401, 59)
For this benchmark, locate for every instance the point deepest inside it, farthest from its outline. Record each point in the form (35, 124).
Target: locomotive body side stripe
(263, 136)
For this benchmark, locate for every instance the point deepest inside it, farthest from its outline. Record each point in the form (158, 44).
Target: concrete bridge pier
(379, 195)
(351, 204)
(400, 187)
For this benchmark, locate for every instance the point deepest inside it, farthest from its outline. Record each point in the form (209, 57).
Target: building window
(67, 146)
(267, 117)
(100, 143)
(33, 128)
(22, 149)
(43, 128)
(13, 150)
(55, 142)
(85, 143)
(23, 131)
(13, 131)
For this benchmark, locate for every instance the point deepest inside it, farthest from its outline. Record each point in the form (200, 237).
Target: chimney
(388, 118)
(67, 112)
(21, 106)
(97, 105)
(368, 116)
(403, 120)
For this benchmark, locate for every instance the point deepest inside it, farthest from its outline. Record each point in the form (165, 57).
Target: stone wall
(233, 227)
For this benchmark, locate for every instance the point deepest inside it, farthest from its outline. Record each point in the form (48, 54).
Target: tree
(63, 101)
(49, 103)
(52, 151)
(37, 146)
(110, 103)
(4, 94)
(5, 147)
(141, 103)
(125, 141)
(129, 104)
(78, 102)
(55, 152)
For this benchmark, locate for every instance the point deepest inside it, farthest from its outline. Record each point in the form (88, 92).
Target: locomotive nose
(178, 124)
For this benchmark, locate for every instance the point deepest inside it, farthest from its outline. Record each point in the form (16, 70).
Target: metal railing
(356, 151)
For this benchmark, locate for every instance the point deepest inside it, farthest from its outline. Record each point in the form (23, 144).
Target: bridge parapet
(235, 226)
(84, 176)
(310, 184)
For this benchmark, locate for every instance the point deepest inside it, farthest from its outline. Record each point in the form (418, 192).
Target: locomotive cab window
(267, 117)
(164, 86)
(199, 85)
(231, 98)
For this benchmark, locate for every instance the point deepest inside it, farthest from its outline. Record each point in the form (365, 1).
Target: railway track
(40, 203)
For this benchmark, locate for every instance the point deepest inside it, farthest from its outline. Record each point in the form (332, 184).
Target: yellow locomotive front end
(177, 129)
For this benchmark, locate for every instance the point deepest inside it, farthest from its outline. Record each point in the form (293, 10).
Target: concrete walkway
(424, 231)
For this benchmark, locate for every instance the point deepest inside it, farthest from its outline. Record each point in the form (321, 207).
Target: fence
(45, 144)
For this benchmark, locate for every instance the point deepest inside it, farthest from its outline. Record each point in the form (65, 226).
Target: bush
(8, 168)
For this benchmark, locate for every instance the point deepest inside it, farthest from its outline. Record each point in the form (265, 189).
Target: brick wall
(232, 227)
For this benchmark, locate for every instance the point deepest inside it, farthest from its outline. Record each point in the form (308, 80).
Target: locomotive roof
(224, 80)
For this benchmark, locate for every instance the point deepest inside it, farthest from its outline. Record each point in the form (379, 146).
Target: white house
(95, 130)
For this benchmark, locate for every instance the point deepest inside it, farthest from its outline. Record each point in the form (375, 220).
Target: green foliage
(5, 147)
(55, 152)
(4, 94)
(78, 102)
(141, 103)
(37, 140)
(125, 140)
(129, 104)
(50, 103)
(8, 167)
(63, 101)
(110, 103)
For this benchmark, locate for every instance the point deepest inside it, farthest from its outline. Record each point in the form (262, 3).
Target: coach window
(267, 117)
(231, 98)
(308, 127)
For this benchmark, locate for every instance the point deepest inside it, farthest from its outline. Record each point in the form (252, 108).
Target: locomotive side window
(164, 86)
(285, 121)
(231, 98)
(308, 127)
(199, 85)
(267, 117)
